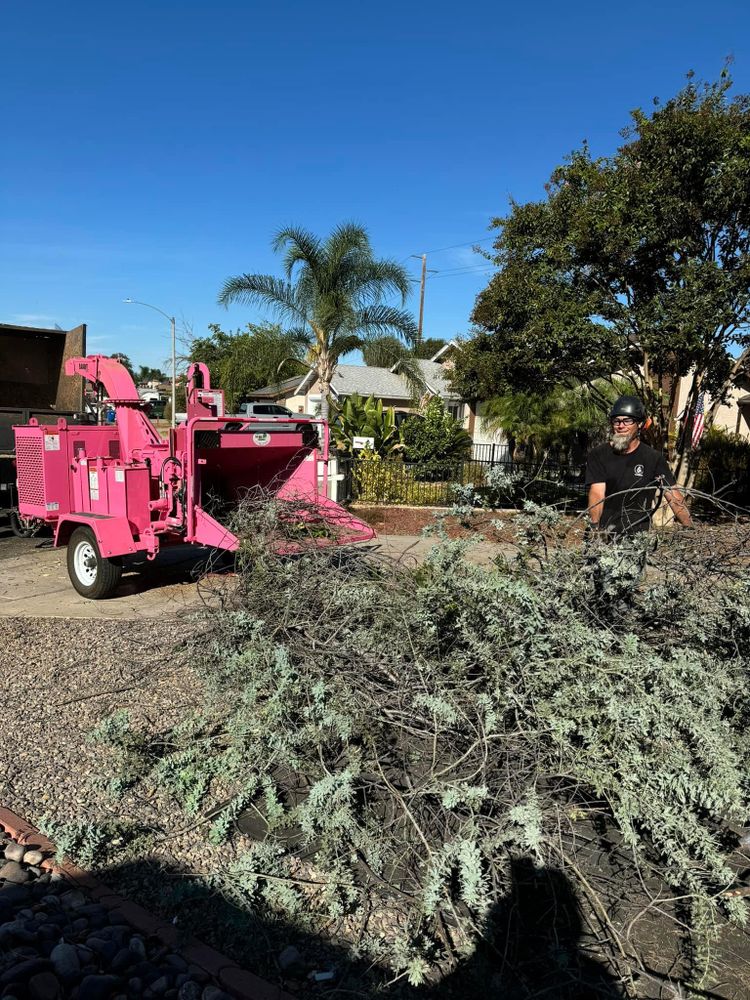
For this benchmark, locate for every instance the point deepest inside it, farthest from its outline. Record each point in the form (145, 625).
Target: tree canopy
(637, 263)
(146, 373)
(248, 359)
(332, 295)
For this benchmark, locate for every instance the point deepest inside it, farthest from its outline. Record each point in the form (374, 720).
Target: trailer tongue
(112, 491)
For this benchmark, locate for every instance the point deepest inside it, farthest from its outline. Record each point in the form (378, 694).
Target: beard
(620, 442)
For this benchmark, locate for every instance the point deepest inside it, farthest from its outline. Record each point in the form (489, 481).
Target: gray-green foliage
(90, 844)
(420, 728)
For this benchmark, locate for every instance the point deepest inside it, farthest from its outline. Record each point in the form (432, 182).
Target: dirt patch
(496, 525)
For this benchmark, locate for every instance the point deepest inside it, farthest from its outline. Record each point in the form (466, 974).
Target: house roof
(367, 380)
(385, 383)
(434, 375)
(282, 388)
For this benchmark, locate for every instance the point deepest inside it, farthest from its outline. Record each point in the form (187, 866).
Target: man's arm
(597, 493)
(676, 501)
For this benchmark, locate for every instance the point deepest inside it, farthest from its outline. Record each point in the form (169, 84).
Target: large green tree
(248, 359)
(637, 263)
(332, 294)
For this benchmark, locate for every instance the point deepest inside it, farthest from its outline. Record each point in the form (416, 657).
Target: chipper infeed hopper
(111, 491)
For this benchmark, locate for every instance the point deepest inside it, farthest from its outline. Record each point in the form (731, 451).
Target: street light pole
(135, 302)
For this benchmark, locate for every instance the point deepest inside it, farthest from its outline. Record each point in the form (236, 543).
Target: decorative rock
(65, 961)
(14, 895)
(291, 961)
(189, 991)
(198, 974)
(14, 873)
(14, 852)
(138, 946)
(212, 993)
(160, 985)
(32, 857)
(135, 985)
(22, 971)
(44, 986)
(73, 899)
(122, 960)
(176, 962)
(19, 932)
(97, 987)
(107, 949)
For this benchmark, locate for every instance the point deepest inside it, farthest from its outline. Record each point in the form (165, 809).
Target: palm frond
(343, 344)
(409, 368)
(300, 247)
(280, 296)
(376, 319)
(382, 277)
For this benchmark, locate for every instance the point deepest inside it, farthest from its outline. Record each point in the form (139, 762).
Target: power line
(462, 274)
(454, 246)
(469, 243)
(465, 269)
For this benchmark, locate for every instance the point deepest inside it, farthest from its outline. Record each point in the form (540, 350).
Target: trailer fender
(113, 534)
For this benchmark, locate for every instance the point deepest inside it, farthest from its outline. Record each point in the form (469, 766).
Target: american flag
(698, 420)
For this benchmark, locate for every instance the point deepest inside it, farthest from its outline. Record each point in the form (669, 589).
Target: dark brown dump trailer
(33, 384)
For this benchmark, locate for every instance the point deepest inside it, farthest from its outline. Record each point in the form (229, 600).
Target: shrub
(724, 466)
(365, 418)
(435, 442)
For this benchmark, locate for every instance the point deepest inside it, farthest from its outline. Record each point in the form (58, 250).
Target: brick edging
(239, 982)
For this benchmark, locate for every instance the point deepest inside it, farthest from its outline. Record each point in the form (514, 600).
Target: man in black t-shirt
(627, 479)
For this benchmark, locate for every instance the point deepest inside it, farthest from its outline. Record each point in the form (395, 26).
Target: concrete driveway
(34, 578)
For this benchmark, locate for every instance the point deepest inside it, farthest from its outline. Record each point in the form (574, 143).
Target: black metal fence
(506, 483)
(492, 453)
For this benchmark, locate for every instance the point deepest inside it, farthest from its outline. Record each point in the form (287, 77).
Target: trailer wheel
(90, 572)
(20, 527)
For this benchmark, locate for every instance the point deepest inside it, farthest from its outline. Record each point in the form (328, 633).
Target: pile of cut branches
(410, 740)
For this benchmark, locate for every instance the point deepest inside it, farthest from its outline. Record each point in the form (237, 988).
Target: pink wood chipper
(111, 491)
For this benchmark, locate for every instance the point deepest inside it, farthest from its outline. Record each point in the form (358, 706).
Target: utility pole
(421, 297)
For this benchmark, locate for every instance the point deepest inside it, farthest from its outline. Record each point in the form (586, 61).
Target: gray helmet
(628, 406)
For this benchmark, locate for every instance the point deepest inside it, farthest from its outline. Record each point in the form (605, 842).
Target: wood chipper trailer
(111, 491)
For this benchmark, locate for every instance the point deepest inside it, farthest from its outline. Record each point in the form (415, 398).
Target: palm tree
(332, 293)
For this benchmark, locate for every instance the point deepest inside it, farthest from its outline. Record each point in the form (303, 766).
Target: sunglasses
(625, 421)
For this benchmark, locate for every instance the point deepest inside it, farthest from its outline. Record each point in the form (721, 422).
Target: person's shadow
(531, 947)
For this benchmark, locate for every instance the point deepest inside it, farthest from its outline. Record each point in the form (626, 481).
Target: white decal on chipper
(94, 485)
(51, 442)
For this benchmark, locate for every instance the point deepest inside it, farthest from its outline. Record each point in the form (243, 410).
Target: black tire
(19, 527)
(92, 575)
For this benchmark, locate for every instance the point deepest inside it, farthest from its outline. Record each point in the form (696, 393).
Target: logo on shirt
(638, 470)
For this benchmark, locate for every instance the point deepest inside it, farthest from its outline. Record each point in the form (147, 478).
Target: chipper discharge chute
(115, 490)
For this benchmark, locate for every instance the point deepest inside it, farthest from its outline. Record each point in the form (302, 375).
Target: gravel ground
(60, 678)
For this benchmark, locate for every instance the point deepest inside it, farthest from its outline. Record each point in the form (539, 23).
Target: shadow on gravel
(532, 946)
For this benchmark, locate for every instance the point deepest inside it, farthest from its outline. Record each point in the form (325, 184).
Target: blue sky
(151, 149)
